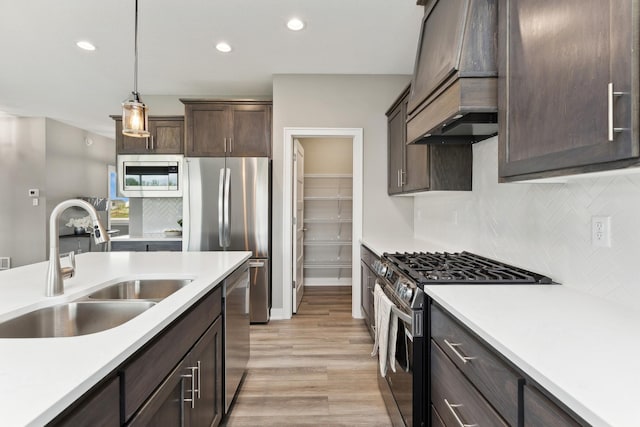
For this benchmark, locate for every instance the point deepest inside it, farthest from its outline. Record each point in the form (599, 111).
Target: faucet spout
(55, 276)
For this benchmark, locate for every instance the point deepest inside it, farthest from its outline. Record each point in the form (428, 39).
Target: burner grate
(460, 268)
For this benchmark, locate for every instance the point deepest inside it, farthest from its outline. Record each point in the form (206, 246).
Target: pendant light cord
(135, 56)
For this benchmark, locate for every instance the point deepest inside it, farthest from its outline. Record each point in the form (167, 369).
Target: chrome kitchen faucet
(56, 274)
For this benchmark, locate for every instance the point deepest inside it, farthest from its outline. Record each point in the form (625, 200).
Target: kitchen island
(41, 377)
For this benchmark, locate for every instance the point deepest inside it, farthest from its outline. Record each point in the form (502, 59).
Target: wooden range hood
(454, 95)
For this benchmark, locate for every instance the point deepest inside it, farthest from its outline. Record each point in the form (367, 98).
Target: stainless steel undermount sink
(73, 319)
(143, 289)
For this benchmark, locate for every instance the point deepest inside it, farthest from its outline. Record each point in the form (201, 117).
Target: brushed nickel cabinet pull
(152, 146)
(453, 348)
(193, 386)
(610, 128)
(199, 383)
(452, 407)
(146, 142)
(225, 144)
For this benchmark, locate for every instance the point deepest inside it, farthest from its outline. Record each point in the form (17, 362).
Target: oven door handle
(402, 316)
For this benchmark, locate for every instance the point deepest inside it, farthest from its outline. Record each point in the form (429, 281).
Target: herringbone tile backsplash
(159, 214)
(541, 226)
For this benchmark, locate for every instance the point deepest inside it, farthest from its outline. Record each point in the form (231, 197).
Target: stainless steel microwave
(150, 175)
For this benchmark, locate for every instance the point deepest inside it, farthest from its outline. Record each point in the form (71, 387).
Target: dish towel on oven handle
(386, 330)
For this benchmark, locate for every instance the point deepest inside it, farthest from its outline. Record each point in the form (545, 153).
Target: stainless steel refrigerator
(226, 207)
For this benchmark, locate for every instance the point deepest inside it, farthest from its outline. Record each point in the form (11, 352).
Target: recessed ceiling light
(295, 24)
(83, 44)
(223, 47)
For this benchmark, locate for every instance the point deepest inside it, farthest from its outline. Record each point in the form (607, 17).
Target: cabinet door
(128, 246)
(208, 128)
(395, 143)
(167, 406)
(175, 246)
(206, 356)
(416, 172)
(167, 136)
(128, 144)
(251, 135)
(557, 63)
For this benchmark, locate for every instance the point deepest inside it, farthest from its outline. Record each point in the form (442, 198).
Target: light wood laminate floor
(312, 370)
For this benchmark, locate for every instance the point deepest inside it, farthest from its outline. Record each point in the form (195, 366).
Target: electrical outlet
(601, 231)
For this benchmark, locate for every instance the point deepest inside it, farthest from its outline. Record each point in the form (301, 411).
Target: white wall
(339, 101)
(327, 155)
(542, 227)
(76, 162)
(54, 158)
(22, 166)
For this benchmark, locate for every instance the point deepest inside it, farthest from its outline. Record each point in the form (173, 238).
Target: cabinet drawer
(539, 411)
(367, 256)
(100, 408)
(165, 351)
(499, 384)
(455, 399)
(436, 421)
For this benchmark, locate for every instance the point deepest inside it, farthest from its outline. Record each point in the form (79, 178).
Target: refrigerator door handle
(227, 202)
(221, 239)
(186, 211)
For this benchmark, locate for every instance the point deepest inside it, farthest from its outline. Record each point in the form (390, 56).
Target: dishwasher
(236, 331)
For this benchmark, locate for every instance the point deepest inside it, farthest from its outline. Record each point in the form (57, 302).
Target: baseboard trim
(278, 314)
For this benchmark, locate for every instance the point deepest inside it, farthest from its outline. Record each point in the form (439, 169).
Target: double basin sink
(101, 310)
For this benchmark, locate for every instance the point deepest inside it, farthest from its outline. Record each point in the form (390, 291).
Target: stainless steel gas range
(403, 276)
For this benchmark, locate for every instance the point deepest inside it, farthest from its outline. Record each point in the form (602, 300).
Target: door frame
(287, 268)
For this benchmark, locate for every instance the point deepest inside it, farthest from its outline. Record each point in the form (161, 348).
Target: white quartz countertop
(147, 238)
(579, 347)
(41, 377)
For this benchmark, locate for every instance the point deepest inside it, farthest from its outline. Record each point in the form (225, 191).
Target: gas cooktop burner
(460, 268)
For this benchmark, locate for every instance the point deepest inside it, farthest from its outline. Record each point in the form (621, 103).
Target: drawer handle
(193, 390)
(452, 407)
(461, 356)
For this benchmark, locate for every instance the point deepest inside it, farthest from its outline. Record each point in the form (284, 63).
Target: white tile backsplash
(159, 214)
(542, 227)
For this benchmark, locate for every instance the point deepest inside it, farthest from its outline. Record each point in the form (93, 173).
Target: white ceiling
(44, 73)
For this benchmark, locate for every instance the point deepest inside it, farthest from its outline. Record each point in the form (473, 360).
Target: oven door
(407, 383)
(401, 381)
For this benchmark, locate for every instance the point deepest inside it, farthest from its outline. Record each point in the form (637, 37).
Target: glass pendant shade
(135, 119)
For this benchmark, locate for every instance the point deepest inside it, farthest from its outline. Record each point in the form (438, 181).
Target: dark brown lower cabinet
(436, 421)
(192, 394)
(473, 384)
(145, 246)
(100, 408)
(454, 398)
(540, 411)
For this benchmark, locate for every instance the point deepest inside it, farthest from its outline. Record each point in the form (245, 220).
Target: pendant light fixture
(135, 115)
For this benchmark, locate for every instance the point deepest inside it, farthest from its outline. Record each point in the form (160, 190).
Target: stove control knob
(408, 293)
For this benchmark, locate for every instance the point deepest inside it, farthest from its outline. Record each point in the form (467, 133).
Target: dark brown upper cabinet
(568, 91)
(167, 137)
(227, 128)
(454, 88)
(414, 168)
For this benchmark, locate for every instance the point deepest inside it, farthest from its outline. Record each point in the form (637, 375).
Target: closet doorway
(332, 214)
(323, 213)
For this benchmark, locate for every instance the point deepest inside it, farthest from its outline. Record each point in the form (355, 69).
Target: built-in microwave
(150, 175)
